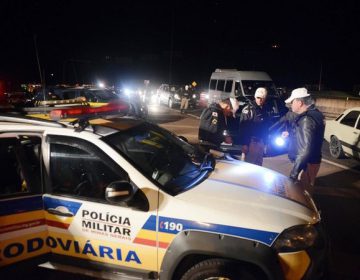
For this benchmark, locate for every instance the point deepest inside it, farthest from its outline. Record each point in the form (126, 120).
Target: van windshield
(251, 86)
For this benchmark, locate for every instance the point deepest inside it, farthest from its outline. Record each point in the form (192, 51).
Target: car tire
(335, 148)
(217, 269)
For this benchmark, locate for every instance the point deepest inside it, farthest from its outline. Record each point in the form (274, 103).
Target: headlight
(176, 96)
(296, 238)
(194, 96)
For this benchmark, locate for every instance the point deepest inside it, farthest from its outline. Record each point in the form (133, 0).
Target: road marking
(194, 116)
(341, 166)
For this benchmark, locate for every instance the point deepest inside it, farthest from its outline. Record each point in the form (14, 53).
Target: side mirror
(119, 191)
(123, 193)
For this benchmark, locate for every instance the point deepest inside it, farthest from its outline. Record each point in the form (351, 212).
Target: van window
(250, 87)
(213, 84)
(228, 85)
(237, 89)
(220, 85)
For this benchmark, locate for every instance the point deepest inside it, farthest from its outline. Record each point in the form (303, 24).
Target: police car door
(22, 220)
(86, 227)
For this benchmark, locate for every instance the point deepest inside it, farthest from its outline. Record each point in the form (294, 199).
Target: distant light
(52, 74)
(275, 46)
(101, 84)
(127, 91)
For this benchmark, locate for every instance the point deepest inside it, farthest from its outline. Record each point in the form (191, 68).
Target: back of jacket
(212, 124)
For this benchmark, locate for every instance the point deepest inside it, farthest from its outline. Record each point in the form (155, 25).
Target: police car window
(350, 118)
(213, 84)
(220, 85)
(81, 170)
(228, 85)
(20, 165)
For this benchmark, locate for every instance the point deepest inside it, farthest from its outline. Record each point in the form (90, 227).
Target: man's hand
(285, 134)
(245, 149)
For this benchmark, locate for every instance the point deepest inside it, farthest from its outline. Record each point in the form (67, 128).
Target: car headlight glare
(296, 238)
(176, 96)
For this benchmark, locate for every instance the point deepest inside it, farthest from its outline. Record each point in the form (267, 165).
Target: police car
(121, 197)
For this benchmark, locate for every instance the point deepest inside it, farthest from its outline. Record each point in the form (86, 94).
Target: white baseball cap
(297, 93)
(261, 92)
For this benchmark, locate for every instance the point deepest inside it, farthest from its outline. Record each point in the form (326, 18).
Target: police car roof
(104, 126)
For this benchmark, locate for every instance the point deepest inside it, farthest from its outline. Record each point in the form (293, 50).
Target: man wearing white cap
(254, 124)
(309, 135)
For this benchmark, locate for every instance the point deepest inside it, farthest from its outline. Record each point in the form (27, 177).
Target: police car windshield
(162, 156)
(251, 86)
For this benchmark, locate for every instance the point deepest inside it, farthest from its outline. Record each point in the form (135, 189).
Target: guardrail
(332, 107)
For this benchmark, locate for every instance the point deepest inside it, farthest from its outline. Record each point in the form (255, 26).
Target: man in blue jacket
(309, 132)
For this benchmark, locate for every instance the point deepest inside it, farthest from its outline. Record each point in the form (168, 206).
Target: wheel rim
(335, 148)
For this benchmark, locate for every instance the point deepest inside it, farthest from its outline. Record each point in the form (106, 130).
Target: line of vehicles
(342, 133)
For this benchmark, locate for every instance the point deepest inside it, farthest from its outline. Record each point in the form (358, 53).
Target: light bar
(82, 111)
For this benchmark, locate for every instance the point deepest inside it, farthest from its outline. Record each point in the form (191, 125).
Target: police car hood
(234, 184)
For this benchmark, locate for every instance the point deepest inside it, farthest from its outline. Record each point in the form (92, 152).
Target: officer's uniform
(185, 96)
(253, 131)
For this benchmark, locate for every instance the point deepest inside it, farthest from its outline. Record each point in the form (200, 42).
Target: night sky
(180, 41)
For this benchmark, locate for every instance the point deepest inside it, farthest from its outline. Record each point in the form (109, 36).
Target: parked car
(110, 195)
(343, 134)
(168, 95)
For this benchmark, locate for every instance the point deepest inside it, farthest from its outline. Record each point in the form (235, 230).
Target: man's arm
(304, 137)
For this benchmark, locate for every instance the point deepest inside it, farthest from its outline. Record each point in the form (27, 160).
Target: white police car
(125, 197)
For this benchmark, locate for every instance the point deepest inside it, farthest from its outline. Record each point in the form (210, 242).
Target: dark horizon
(180, 41)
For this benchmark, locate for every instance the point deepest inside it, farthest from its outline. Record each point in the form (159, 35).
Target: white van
(225, 83)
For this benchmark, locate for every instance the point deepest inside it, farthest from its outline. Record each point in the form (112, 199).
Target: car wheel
(171, 103)
(216, 269)
(335, 148)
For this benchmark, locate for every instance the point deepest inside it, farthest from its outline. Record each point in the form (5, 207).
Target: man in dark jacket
(309, 132)
(253, 127)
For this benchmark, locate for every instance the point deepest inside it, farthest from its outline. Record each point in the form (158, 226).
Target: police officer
(214, 121)
(185, 96)
(253, 128)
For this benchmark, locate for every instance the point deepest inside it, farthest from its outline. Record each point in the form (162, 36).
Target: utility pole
(320, 76)
(38, 62)
(172, 42)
